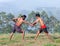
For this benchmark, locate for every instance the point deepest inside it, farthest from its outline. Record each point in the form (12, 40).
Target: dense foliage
(6, 22)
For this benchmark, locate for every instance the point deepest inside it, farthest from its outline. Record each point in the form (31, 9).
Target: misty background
(48, 9)
(25, 6)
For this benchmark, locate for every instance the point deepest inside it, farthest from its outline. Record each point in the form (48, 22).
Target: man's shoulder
(40, 18)
(19, 18)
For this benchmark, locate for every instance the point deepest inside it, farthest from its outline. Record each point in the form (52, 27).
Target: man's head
(37, 15)
(24, 16)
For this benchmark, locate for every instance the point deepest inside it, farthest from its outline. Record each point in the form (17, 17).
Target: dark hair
(38, 15)
(24, 17)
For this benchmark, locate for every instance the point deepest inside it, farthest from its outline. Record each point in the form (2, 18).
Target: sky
(17, 5)
(28, 4)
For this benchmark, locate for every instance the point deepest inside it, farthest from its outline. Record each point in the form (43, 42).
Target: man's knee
(38, 31)
(23, 31)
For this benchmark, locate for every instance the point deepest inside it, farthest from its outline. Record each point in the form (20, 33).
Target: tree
(10, 16)
(20, 15)
(31, 18)
(5, 20)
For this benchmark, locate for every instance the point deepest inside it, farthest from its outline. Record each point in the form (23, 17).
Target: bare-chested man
(17, 25)
(42, 27)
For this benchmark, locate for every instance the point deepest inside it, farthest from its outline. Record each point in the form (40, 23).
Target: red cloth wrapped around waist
(43, 26)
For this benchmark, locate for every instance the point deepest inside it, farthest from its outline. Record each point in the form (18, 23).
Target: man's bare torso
(40, 21)
(19, 22)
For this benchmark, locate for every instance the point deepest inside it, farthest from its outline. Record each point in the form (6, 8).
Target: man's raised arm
(27, 22)
(14, 19)
(35, 22)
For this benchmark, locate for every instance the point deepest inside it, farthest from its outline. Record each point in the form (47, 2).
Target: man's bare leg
(11, 35)
(23, 34)
(49, 37)
(37, 34)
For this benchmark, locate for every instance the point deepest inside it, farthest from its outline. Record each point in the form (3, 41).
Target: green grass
(50, 44)
(29, 40)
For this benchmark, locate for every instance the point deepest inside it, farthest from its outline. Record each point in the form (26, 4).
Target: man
(17, 25)
(42, 26)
